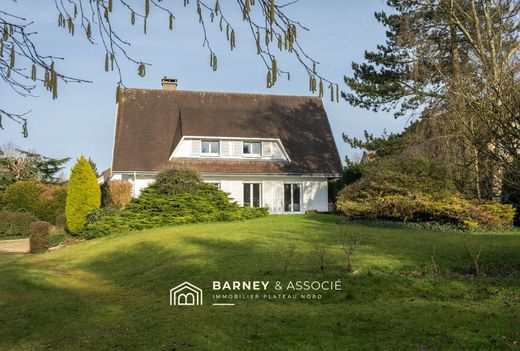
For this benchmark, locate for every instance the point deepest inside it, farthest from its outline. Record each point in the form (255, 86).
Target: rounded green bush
(40, 239)
(83, 195)
(173, 180)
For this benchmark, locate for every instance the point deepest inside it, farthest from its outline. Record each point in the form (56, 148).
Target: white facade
(230, 148)
(281, 193)
(308, 192)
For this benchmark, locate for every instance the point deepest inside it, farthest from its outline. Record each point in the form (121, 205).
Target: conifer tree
(83, 195)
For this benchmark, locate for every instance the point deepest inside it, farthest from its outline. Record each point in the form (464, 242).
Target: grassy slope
(113, 293)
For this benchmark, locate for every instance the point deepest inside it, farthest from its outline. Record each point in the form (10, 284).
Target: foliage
(351, 172)
(44, 201)
(61, 219)
(119, 193)
(40, 236)
(83, 195)
(173, 180)
(15, 224)
(94, 167)
(155, 209)
(435, 66)
(100, 213)
(17, 164)
(374, 199)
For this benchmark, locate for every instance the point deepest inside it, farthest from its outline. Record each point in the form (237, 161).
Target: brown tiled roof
(150, 123)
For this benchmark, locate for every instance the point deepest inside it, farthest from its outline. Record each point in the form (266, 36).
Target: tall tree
(17, 164)
(445, 62)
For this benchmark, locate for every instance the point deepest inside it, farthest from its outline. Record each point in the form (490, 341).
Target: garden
(51, 211)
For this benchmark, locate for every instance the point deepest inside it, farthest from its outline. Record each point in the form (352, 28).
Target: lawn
(113, 293)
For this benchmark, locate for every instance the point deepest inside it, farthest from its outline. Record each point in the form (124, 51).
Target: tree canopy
(454, 65)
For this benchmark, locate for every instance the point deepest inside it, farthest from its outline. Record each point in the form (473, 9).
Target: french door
(292, 197)
(252, 194)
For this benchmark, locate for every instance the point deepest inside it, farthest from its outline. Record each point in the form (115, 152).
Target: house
(264, 150)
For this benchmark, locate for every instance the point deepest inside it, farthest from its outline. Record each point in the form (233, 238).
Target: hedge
(15, 224)
(154, 209)
(44, 201)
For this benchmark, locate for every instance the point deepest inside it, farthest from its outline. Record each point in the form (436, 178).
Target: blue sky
(81, 120)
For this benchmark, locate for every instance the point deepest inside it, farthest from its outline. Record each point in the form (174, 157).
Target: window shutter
(225, 147)
(267, 148)
(237, 148)
(195, 147)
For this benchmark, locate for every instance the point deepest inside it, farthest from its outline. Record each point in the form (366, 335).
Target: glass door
(292, 197)
(252, 194)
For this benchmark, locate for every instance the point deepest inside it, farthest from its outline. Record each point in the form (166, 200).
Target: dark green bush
(43, 201)
(40, 239)
(100, 213)
(154, 209)
(15, 224)
(173, 180)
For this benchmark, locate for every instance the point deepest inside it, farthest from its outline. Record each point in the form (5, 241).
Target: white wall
(314, 192)
(229, 148)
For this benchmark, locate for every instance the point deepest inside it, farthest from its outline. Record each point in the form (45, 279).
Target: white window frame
(292, 199)
(250, 143)
(260, 193)
(210, 141)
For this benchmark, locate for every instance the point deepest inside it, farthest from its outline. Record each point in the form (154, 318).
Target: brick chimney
(169, 83)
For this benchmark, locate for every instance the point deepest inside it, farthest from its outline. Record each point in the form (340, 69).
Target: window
(251, 194)
(291, 195)
(210, 147)
(252, 148)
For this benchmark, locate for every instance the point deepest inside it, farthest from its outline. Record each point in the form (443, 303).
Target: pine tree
(83, 195)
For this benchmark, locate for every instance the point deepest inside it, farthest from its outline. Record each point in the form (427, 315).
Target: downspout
(135, 183)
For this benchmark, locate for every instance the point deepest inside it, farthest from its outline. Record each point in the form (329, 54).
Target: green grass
(113, 293)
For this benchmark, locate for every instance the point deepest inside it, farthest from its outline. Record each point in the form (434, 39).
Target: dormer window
(210, 147)
(252, 148)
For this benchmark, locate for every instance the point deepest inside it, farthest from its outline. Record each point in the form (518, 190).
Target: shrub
(61, 220)
(154, 209)
(21, 196)
(419, 190)
(83, 195)
(43, 201)
(15, 224)
(119, 193)
(173, 180)
(40, 239)
(100, 213)
(420, 207)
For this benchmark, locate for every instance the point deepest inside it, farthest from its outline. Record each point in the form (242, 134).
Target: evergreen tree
(83, 195)
(17, 164)
(453, 64)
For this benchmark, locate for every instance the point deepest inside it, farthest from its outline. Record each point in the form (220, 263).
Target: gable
(151, 123)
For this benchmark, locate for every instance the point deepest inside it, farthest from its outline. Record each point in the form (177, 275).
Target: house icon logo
(186, 294)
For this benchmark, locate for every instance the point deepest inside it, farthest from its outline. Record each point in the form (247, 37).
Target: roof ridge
(222, 93)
